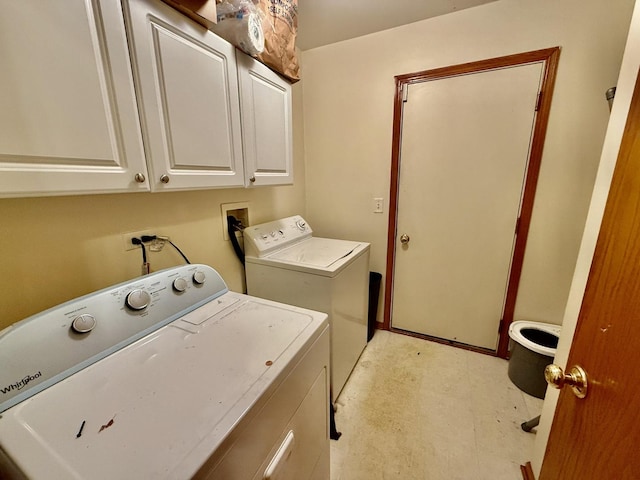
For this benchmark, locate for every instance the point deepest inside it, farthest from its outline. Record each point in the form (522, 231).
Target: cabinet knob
(252, 178)
(164, 178)
(139, 177)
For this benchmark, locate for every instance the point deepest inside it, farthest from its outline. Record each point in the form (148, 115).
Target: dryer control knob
(137, 299)
(180, 284)
(301, 224)
(199, 277)
(83, 323)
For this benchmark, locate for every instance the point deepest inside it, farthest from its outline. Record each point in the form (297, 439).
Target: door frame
(550, 58)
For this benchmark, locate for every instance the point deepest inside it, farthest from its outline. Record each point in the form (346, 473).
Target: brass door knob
(576, 379)
(404, 239)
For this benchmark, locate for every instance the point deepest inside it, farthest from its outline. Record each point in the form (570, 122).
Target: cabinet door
(265, 99)
(68, 115)
(187, 89)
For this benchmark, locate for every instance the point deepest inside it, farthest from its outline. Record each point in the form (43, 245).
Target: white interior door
(464, 151)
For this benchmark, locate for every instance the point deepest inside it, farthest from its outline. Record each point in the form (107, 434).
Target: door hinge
(405, 92)
(539, 101)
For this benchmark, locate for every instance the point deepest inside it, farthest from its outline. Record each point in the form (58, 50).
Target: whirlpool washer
(167, 376)
(286, 263)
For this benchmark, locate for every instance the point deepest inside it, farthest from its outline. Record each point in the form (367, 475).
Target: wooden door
(267, 135)
(597, 438)
(68, 117)
(463, 196)
(188, 96)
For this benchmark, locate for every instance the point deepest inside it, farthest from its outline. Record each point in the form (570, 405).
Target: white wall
(348, 93)
(625, 86)
(55, 249)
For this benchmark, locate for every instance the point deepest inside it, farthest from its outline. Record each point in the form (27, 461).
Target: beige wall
(57, 248)
(348, 104)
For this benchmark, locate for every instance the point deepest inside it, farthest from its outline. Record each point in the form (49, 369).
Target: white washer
(167, 376)
(286, 263)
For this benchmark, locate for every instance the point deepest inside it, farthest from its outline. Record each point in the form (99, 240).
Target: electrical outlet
(240, 210)
(378, 205)
(126, 238)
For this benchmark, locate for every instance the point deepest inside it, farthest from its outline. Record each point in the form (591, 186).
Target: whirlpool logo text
(20, 384)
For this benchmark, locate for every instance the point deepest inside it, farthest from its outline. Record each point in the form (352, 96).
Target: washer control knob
(83, 323)
(199, 277)
(180, 284)
(137, 299)
(301, 224)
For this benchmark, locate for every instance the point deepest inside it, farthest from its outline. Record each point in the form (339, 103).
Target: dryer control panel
(48, 347)
(266, 238)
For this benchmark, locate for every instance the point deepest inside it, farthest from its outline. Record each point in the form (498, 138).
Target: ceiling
(321, 22)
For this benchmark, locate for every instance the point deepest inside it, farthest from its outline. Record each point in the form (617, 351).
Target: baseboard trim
(527, 472)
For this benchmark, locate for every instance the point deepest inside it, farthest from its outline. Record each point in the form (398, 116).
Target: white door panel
(189, 101)
(464, 151)
(266, 124)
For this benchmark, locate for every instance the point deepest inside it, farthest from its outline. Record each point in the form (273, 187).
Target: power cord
(234, 225)
(145, 264)
(149, 238)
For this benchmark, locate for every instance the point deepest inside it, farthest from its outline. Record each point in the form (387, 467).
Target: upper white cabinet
(68, 116)
(122, 96)
(187, 86)
(265, 100)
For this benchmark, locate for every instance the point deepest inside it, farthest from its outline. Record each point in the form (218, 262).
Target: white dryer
(286, 263)
(167, 376)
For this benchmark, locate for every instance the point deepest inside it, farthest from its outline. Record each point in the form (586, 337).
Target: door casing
(550, 57)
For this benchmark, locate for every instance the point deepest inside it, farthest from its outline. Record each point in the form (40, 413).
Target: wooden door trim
(550, 57)
(527, 471)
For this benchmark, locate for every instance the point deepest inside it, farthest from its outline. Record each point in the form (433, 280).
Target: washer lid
(317, 252)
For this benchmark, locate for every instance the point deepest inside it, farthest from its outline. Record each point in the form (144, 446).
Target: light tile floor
(414, 409)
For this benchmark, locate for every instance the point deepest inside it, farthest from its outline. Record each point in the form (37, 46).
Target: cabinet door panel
(68, 113)
(266, 124)
(187, 89)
